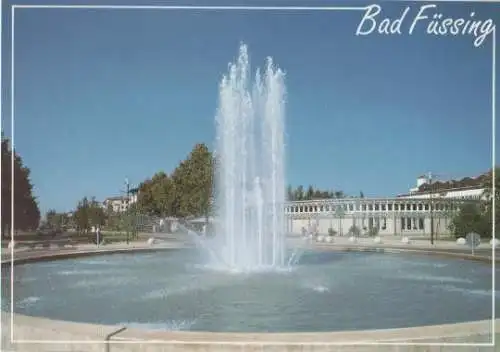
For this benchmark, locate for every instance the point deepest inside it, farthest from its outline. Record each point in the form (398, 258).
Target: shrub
(354, 231)
(373, 231)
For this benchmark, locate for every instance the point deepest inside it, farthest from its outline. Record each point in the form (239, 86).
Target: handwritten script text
(427, 18)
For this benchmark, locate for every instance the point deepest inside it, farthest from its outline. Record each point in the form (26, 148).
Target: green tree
(81, 216)
(26, 211)
(157, 196)
(448, 214)
(113, 219)
(56, 220)
(299, 193)
(470, 218)
(203, 165)
(310, 193)
(88, 214)
(51, 217)
(146, 198)
(163, 194)
(318, 194)
(289, 193)
(487, 205)
(187, 191)
(96, 213)
(354, 231)
(193, 182)
(373, 231)
(340, 213)
(477, 217)
(487, 183)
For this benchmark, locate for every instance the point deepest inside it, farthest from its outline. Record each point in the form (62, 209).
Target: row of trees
(462, 183)
(26, 211)
(87, 214)
(311, 193)
(187, 191)
(57, 220)
(300, 193)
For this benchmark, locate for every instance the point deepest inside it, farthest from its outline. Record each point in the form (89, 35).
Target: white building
(427, 208)
(120, 203)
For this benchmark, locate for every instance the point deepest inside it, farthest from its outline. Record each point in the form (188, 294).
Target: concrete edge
(29, 257)
(415, 334)
(414, 250)
(27, 328)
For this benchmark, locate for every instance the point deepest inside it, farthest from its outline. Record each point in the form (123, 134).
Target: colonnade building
(423, 209)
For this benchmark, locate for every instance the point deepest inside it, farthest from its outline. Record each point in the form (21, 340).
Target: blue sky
(101, 95)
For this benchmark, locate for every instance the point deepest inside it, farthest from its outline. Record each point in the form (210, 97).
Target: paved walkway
(392, 241)
(23, 253)
(484, 249)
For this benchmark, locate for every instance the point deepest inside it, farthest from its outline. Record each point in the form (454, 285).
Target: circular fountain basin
(325, 291)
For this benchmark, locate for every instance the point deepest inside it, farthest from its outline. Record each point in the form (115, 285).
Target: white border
(493, 175)
(12, 231)
(246, 8)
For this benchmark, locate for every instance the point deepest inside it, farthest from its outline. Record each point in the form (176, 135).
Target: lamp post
(127, 184)
(440, 195)
(130, 213)
(431, 197)
(133, 210)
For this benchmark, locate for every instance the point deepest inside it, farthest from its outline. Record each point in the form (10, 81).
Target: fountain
(250, 168)
(328, 290)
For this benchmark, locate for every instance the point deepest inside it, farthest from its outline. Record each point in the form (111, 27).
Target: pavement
(171, 240)
(26, 252)
(395, 242)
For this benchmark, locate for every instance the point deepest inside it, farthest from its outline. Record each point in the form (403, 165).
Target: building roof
(115, 198)
(464, 183)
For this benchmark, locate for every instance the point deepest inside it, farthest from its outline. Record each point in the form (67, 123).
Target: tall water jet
(250, 153)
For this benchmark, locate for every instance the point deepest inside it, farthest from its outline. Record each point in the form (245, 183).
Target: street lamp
(432, 190)
(129, 191)
(431, 205)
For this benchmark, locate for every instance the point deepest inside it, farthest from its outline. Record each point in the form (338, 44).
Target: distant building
(468, 188)
(120, 203)
(425, 209)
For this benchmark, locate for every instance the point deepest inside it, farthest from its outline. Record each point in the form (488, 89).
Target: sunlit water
(324, 291)
(250, 152)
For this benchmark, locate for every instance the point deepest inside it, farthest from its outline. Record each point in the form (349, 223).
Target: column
(427, 224)
(393, 221)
